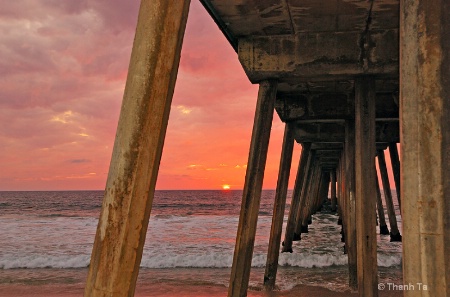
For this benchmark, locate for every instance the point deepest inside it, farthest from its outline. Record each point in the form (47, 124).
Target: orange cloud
(62, 75)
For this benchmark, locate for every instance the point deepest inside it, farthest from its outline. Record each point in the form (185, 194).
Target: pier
(351, 80)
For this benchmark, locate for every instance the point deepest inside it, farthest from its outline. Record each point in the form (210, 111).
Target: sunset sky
(63, 68)
(63, 71)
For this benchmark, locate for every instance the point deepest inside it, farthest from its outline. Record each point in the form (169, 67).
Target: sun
(225, 187)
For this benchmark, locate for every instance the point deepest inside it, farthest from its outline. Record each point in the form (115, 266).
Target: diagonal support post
(130, 187)
(245, 239)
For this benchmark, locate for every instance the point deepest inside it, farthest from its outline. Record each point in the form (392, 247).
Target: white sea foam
(195, 260)
(44, 261)
(389, 260)
(198, 241)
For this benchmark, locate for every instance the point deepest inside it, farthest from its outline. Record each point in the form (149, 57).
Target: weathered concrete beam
(395, 234)
(322, 54)
(328, 153)
(304, 196)
(350, 206)
(331, 159)
(138, 146)
(328, 168)
(328, 164)
(273, 251)
(245, 238)
(335, 132)
(365, 194)
(381, 218)
(327, 146)
(395, 165)
(300, 183)
(329, 85)
(328, 106)
(333, 191)
(425, 147)
(305, 217)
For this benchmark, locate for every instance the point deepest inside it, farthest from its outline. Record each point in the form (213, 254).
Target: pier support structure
(323, 193)
(425, 146)
(278, 209)
(127, 203)
(365, 186)
(333, 190)
(280, 45)
(395, 233)
(381, 218)
(304, 218)
(395, 164)
(300, 208)
(245, 239)
(302, 171)
(351, 243)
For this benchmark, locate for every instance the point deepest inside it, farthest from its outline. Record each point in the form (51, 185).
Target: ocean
(46, 240)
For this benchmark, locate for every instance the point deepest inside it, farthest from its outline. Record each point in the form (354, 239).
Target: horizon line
(215, 189)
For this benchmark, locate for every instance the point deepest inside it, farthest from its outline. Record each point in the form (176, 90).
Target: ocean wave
(204, 260)
(44, 261)
(389, 260)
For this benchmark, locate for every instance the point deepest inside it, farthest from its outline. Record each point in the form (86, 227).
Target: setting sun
(226, 187)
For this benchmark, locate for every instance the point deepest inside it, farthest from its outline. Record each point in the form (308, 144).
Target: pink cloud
(62, 74)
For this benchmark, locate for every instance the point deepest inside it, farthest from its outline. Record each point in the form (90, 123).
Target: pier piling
(245, 239)
(395, 164)
(278, 209)
(127, 202)
(425, 147)
(303, 168)
(395, 233)
(365, 186)
(349, 150)
(381, 218)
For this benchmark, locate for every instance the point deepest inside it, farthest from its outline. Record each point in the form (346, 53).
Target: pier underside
(350, 79)
(345, 71)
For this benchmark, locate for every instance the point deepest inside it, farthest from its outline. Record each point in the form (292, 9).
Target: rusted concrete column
(381, 219)
(343, 201)
(351, 203)
(278, 209)
(127, 203)
(425, 147)
(365, 186)
(395, 163)
(306, 196)
(333, 190)
(303, 168)
(315, 200)
(395, 234)
(300, 207)
(245, 239)
(338, 205)
(324, 185)
(303, 211)
(305, 217)
(316, 193)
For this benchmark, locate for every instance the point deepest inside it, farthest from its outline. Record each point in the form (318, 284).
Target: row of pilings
(320, 172)
(351, 164)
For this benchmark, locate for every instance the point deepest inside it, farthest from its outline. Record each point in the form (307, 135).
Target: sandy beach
(163, 290)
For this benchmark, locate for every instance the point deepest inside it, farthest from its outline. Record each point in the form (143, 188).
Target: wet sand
(165, 290)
